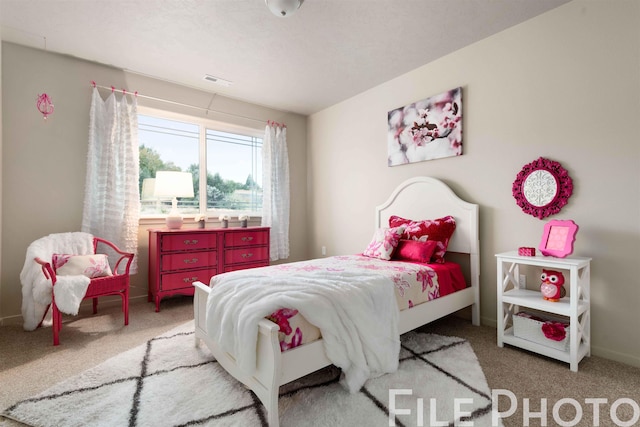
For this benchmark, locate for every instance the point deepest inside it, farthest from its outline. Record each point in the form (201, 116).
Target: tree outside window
(232, 166)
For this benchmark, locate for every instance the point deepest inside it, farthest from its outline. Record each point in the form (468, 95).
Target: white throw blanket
(356, 312)
(36, 288)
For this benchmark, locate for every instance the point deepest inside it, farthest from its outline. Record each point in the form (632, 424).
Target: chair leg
(95, 305)
(57, 323)
(125, 306)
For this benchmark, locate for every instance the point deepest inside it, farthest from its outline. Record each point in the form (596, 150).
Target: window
(225, 162)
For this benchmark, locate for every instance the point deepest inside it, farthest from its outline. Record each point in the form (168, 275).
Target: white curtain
(111, 199)
(275, 189)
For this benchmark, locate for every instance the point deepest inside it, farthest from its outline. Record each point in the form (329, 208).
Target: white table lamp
(173, 184)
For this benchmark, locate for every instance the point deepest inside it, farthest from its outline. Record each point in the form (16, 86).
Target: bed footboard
(265, 382)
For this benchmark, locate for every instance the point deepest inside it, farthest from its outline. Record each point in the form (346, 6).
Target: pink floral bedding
(415, 283)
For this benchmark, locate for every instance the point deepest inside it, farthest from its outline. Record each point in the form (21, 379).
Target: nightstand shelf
(564, 356)
(575, 307)
(532, 299)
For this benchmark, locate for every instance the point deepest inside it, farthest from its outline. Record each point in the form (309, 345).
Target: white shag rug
(169, 382)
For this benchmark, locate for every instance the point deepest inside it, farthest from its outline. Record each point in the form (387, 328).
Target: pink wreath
(564, 191)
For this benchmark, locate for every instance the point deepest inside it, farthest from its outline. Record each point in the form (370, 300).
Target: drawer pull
(247, 238)
(189, 279)
(249, 255)
(190, 261)
(190, 242)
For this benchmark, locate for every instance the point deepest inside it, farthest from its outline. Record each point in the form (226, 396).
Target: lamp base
(174, 222)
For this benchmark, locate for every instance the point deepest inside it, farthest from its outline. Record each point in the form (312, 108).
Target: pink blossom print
(384, 242)
(425, 130)
(296, 340)
(281, 318)
(401, 284)
(96, 267)
(59, 260)
(439, 230)
(426, 278)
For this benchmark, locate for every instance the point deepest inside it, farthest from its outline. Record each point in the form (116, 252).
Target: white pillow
(88, 265)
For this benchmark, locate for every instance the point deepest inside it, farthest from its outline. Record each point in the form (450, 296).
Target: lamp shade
(283, 7)
(173, 184)
(148, 189)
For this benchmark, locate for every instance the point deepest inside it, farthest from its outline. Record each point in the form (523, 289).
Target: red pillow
(439, 230)
(414, 250)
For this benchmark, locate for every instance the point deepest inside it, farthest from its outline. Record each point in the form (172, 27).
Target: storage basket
(529, 327)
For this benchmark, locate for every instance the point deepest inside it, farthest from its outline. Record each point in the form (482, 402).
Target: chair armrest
(124, 256)
(47, 269)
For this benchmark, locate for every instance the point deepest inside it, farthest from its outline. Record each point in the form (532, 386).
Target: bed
(416, 198)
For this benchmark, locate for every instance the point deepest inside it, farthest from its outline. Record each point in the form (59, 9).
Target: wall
(44, 162)
(0, 170)
(565, 86)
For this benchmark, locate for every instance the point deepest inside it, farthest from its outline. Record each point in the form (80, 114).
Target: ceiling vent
(216, 80)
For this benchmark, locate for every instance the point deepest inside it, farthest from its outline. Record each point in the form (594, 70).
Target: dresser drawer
(181, 261)
(246, 238)
(184, 279)
(245, 255)
(245, 266)
(188, 242)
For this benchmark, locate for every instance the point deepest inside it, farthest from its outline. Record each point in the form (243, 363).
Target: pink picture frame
(558, 237)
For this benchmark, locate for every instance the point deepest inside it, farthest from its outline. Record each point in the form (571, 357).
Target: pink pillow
(415, 251)
(439, 230)
(384, 242)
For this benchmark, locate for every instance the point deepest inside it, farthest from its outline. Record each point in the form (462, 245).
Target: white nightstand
(575, 307)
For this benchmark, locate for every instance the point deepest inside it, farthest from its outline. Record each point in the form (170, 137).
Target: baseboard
(85, 305)
(489, 321)
(627, 359)
(11, 320)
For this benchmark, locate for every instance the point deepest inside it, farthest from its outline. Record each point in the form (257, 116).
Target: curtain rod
(153, 98)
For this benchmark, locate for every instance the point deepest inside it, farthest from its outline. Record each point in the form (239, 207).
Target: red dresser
(177, 258)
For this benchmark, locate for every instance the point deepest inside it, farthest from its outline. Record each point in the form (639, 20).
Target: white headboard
(429, 198)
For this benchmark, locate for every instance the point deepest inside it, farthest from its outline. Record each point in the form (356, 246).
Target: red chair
(117, 284)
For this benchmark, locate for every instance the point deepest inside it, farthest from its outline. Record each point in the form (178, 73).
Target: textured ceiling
(328, 51)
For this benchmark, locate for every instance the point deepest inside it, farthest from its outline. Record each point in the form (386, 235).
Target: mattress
(414, 283)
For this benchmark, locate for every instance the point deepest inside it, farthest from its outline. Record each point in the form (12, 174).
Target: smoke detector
(217, 80)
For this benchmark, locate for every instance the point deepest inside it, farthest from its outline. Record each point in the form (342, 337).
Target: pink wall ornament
(558, 237)
(44, 104)
(542, 188)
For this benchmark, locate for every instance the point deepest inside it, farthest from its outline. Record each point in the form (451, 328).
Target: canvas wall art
(426, 130)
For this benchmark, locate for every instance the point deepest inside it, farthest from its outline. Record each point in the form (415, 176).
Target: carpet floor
(168, 381)
(29, 364)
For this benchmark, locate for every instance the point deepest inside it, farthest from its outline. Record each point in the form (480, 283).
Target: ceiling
(329, 51)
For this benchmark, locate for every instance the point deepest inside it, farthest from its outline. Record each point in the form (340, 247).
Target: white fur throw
(36, 288)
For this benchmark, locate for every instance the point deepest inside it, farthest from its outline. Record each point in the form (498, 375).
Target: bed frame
(416, 198)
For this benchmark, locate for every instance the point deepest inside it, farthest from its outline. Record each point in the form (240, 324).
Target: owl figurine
(551, 285)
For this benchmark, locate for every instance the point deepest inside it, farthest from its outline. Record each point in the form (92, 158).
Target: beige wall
(44, 162)
(566, 86)
(0, 170)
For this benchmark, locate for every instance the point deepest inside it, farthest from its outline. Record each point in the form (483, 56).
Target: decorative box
(526, 251)
(548, 331)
